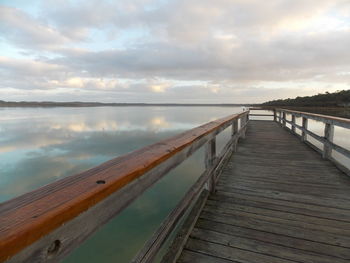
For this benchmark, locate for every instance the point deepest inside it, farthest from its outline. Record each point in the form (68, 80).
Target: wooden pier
(278, 201)
(268, 196)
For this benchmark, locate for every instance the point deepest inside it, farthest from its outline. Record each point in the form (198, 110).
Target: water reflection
(38, 146)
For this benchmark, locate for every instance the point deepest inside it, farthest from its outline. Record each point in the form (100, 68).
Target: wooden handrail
(210, 176)
(342, 122)
(326, 140)
(42, 221)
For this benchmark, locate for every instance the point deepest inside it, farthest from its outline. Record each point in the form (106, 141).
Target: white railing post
(328, 135)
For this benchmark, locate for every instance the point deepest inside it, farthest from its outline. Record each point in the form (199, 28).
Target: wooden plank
(231, 253)
(272, 238)
(265, 115)
(338, 196)
(189, 256)
(254, 214)
(293, 202)
(265, 248)
(289, 215)
(271, 227)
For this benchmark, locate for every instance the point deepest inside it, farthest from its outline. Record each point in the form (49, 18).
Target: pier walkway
(276, 200)
(269, 196)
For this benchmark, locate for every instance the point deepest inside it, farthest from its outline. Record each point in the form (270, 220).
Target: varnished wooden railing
(47, 224)
(327, 139)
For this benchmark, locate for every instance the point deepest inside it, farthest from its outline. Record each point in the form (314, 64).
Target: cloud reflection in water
(59, 142)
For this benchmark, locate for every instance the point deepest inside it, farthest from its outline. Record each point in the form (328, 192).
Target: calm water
(41, 145)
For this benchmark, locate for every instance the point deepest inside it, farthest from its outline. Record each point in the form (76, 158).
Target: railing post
(280, 120)
(328, 135)
(284, 119)
(233, 133)
(210, 155)
(243, 122)
(274, 115)
(303, 133)
(293, 123)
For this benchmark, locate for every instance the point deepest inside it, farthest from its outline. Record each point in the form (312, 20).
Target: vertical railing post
(280, 120)
(284, 119)
(233, 133)
(328, 135)
(210, 155)
(274, 115)
(303, 133)
(293, 123)
(243, 120)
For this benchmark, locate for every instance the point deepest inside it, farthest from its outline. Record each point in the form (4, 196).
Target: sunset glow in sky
(185, 51)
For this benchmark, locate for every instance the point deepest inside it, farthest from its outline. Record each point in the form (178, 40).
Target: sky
(166, 51)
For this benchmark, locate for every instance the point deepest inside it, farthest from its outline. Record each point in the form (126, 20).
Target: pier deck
(276, 200)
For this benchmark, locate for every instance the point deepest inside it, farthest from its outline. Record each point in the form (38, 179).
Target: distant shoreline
(31, 104)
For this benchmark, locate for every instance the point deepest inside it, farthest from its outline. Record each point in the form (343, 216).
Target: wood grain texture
(277, 200)
(28, 218)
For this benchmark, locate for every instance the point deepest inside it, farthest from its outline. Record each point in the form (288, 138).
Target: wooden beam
(266, 115)
(293, 122)
(284, 119)
(328, 135)
(210, 156)
(233, 133)
(303, 134)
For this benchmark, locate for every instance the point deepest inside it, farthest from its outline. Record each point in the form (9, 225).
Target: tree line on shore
(335, 99)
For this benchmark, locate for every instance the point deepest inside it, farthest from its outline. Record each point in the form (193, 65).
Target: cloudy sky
(190, 51)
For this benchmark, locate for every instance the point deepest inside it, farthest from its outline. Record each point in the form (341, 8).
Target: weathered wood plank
(278, 214)
(231, 253)
(234, 213)
(266, 248)
(189, 256)
(266, 237)
(277, 228)
(286, 205)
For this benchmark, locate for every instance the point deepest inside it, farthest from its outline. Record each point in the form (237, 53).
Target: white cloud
(144, 50)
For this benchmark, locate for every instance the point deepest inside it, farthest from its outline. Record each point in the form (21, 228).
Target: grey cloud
(27, 32)
(235, 44)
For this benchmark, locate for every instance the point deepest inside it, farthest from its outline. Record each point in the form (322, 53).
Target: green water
(41, 145)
